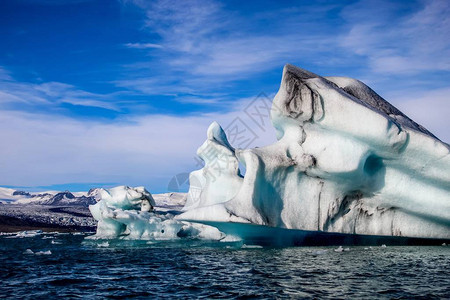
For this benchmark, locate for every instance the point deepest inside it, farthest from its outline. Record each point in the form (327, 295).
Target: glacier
(346, 161)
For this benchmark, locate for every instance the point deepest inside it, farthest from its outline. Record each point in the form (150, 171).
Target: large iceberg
(346, 161)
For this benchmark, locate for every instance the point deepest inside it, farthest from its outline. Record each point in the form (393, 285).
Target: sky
(102, 93)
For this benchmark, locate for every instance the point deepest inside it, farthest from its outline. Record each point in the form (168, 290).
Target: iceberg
(348, 168)
(346, 162)
(129, 213)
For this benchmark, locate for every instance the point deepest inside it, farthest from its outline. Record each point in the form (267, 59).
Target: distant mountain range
(55, 198)
(67, 198)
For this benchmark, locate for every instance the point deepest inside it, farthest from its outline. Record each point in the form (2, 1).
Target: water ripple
(78, 269)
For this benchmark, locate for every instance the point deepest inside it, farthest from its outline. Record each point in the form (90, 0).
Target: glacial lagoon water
(67, 265)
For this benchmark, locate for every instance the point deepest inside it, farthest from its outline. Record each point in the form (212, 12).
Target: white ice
(27, 234)
(29, 251)
(345, 161)
(128, 213)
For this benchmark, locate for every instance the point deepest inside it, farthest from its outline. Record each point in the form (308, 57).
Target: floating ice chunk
(444, 244)
(29, 233)
(26, 234)
(339, 249)
(346, 161)
(117, 218)
(319, 252)
(55, 242)
(103, 245)
(111, 211)
(383, 246)
(29, 251)
(6, 233)
(231, 238)
(251, 246)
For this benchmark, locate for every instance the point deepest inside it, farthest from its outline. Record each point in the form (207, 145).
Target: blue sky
(99, 93)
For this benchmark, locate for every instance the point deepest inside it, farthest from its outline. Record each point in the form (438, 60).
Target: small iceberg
(29, 251)
(26, 234)
(339, 249)
(319, 252)
(128, 213)
(231, 239)
(103, 245)
(251, 246)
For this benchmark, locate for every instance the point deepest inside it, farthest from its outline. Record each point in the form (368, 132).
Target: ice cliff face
(345, 161)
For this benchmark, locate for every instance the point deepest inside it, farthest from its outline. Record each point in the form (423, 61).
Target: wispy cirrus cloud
(212, 41)
(400, 43)
(4, 75)
(143, 46)
(54, 2)
(134, 150)
(208, 38)
(207, 45)
(15, 94)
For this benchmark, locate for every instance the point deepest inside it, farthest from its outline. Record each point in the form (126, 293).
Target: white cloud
(13, 92)
(153, 85)
(206, 42)
(148, 150)
(143, 46)
(407, 44)
(430, 109)
(4, 75)
(55, 2)
(238, 57)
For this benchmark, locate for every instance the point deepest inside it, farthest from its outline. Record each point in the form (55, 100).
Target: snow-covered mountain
(56, 198)
(67, 198)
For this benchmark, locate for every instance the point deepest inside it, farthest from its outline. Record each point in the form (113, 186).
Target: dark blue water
(77, 268)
